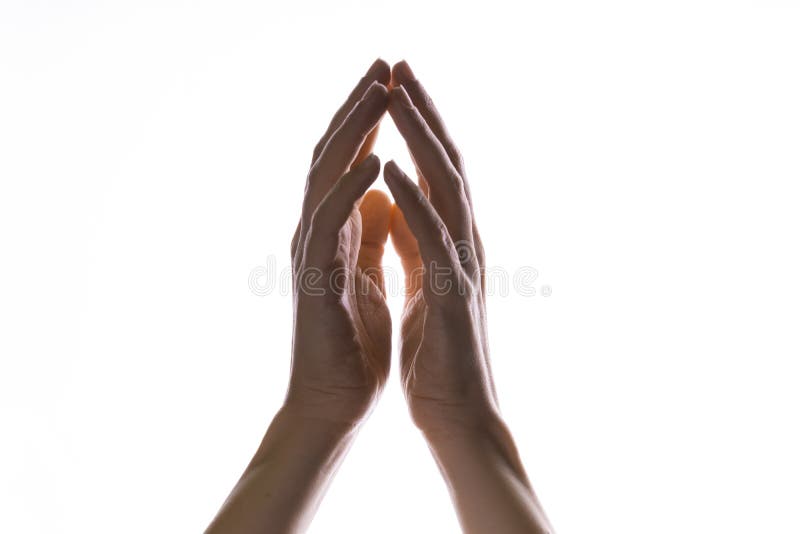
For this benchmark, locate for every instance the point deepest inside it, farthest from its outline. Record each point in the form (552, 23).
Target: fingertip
(369, 165)
(376, 91)
(377, 201)
(373, 162)
(402, 73)
(399, 97)
(395, 177)
(376, 210)
(380, 71)
(391, 171)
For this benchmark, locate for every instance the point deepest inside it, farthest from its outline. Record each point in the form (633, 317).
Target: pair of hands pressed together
(342, 339)
(342, 336)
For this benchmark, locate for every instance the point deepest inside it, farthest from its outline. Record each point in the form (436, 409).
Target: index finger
(403, 75)
(377, 72)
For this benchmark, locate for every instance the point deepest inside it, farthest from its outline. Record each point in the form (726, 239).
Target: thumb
(406, 246)
(375, 209)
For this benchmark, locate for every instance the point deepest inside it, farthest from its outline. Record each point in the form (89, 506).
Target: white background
(642, 157)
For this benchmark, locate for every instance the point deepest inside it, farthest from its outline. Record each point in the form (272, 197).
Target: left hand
(342, 328)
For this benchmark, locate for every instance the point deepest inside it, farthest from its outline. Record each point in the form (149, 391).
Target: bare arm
(342, 330)
(487, 481)
(284, 483)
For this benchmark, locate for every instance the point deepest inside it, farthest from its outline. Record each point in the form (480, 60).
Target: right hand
(444, 350)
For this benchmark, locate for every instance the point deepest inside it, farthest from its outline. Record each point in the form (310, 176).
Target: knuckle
(425, 100)
(296, 250)
(419, 197)
(443, 234)
(313, 175)
(465, 251)
(318, 150)
(315, 223)
(455, 181)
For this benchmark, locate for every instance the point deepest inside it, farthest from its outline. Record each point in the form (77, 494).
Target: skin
(342, 335)
(444, 355)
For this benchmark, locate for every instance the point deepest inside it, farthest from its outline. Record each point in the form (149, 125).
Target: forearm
(282, 486)
(487, 481)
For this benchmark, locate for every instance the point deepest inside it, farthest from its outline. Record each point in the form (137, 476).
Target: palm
(438, 385)
(349, 342)
(365, 320)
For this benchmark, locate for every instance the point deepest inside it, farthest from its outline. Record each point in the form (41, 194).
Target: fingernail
(404, 72)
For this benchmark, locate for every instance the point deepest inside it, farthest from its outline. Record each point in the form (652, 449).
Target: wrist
(475, 430)
(336, 406)
(441, 424)
(307, 440)
(484, 439)
(298, 419)
(286, 478)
